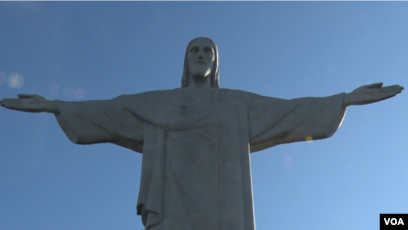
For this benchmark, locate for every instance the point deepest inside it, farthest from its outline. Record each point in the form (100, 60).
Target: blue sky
(98, 50)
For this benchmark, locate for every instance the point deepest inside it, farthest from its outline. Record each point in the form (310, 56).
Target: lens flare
(15, 81)
(79, 94)
(287, 159)
(75, 93)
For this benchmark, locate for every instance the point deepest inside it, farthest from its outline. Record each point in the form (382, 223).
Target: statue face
(200, 58)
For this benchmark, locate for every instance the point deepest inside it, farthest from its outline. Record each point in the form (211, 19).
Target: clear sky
(98, 50)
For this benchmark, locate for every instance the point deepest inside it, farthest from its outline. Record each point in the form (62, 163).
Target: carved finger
(375, 85)
(11, 99)
(382, 94)
(395, 86)
(385, 98)
(396, 91)
(10, 105)
(390, 89)
(13, 104)
(16, 108)
(7, 100)
(24, 95)
(13, 107)
(391, 86)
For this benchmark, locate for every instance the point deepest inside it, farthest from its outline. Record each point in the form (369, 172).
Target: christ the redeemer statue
(196, 140)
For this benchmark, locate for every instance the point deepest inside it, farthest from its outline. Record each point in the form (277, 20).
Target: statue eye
(208, 50)
(194, 49)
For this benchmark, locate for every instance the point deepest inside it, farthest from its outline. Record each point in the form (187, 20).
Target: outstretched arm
(87, 122)
(367, 94)
(29, 103)
(274, 121)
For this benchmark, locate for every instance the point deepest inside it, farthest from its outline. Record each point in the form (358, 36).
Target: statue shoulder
(145, 95)
(149, 97)
(235, 96)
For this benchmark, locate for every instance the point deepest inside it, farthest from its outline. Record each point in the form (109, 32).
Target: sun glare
(15, 80)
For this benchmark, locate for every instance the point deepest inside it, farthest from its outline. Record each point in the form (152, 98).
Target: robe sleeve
(274, 121)
(104, 121)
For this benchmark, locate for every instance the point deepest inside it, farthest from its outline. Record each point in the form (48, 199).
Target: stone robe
(196, 172)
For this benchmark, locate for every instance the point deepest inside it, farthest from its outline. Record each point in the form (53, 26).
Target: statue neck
(199, 81)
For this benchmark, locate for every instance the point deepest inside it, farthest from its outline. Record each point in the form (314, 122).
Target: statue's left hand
(367, 94)
(29, 103)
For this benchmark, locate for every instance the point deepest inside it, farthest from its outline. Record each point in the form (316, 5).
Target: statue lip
(200, 62)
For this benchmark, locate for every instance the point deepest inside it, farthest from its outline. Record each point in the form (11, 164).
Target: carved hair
(215, 82)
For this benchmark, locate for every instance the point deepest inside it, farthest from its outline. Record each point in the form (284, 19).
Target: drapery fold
(150, 201)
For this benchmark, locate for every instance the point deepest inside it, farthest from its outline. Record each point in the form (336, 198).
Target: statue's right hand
(28, 103)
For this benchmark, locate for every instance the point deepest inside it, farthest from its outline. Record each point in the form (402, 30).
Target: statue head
(193, 66)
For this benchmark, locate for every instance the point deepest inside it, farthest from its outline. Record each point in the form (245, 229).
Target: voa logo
(393, 221)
